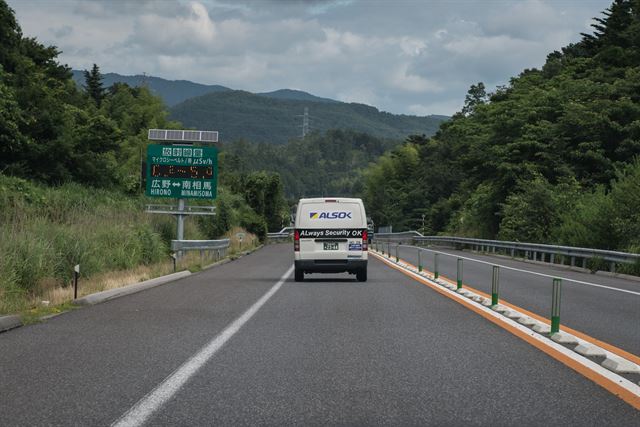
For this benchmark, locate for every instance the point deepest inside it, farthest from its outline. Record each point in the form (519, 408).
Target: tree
(475, 96)
(93, 85)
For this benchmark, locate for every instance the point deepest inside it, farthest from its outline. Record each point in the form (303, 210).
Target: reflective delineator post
(76, 274)
(555, 305)
(435, 266)
(419, 260)
(495, 285)
(459, 273)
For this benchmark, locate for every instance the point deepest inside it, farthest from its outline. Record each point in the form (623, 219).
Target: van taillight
(365, 241)
(296, 241)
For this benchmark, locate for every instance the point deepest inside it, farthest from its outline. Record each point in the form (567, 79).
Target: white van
(330, 236)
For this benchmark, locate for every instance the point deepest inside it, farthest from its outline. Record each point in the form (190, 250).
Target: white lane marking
(149, 404)
(528, 271)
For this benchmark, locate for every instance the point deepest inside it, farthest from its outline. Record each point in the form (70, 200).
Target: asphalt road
(328, 351)
(604, 313)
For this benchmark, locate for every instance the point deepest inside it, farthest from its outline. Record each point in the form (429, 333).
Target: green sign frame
(182, 172)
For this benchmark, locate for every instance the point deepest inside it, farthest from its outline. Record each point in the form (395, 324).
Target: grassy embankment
(45, 231)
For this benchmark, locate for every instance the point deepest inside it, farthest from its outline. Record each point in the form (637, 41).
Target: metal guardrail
(202, 245)
(533, 251)
(283, 234)
(175, 210)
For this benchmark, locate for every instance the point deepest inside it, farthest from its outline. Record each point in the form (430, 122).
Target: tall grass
(45, 231)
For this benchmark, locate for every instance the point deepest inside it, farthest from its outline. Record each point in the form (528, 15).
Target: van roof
(323, 199)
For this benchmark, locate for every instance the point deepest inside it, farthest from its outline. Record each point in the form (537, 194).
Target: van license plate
(330, 246)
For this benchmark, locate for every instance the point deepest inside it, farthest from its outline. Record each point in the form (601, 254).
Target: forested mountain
(239, 114)
(551, 157)
(327, 163)
(172, 92)
(295, 95)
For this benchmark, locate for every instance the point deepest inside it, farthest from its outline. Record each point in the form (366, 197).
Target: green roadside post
(495, 285)
(435, 266)
(555, 305)
(459, 273)
(419, 260)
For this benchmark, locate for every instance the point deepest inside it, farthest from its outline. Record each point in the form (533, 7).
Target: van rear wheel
(361, 275)
(299, 275)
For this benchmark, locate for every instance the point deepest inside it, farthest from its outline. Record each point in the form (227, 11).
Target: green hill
(259, 118)
(295, 95)
(172, 92)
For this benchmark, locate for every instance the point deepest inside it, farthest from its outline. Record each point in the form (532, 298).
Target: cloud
(409, 57)
(402, 79)
(194, 29)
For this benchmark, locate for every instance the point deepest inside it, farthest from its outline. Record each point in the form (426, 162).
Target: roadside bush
(254, 223)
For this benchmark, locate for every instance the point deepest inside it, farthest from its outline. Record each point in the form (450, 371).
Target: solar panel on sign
(174, 135)
(210, 136)
(183, 135)
(158, 134)
(191, 135)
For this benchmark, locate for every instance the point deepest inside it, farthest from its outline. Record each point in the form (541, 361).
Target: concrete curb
(103, 296)
(9, 322)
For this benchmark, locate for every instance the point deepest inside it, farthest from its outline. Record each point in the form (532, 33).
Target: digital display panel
(189, 172)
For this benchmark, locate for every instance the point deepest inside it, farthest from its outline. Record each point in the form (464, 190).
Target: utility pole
(305, 122)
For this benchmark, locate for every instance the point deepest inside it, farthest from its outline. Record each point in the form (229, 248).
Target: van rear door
(331, 230)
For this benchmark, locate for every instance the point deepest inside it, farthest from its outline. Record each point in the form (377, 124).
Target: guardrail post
(555, 305)
(584, 262)
(397, 258)
(613, 266)
(552, 257)
(459, 275)
(513, 252)
(573, 261)
(419, 260)
(435, 266)
(389, 249)
(495, 285)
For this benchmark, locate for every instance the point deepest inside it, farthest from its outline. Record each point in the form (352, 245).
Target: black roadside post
(76, 273)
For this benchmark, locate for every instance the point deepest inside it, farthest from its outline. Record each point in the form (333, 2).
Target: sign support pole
(180, 216)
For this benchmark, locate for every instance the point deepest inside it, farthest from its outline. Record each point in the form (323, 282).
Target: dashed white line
(148, 405)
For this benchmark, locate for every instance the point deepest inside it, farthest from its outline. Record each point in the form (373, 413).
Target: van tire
(299, 275)
(361, 275)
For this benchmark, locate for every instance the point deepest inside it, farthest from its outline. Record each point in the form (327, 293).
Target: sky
(401, 56)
